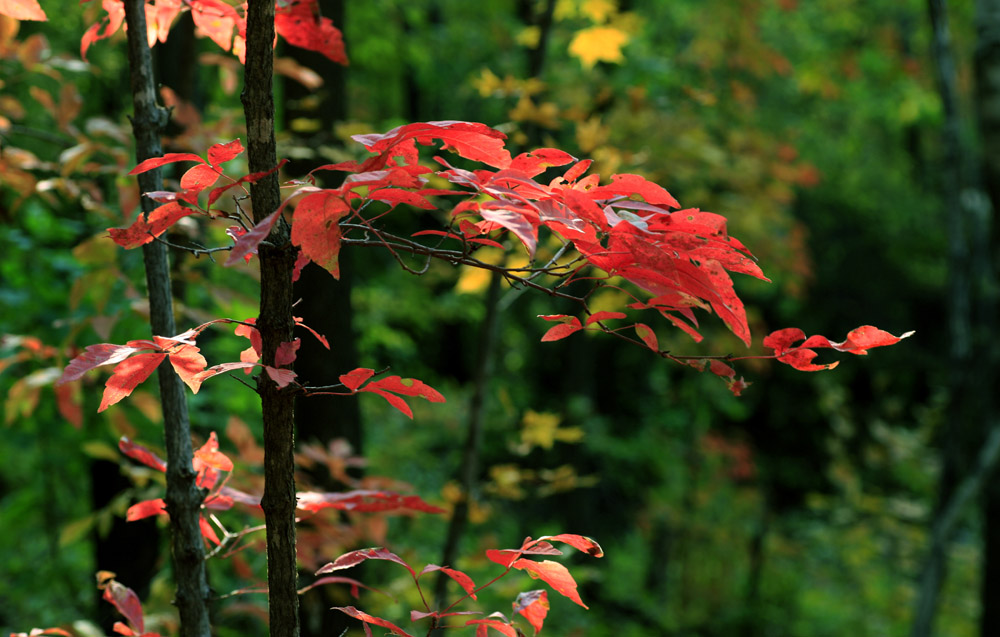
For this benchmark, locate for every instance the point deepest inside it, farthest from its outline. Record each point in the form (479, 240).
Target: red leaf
(221, 368)
(22, 10)
(169, 158)
(208, 455)
(95, 356)
(285, 354)
(145, 509)
(142, 454)
(510, 217)
(127, 602)
(127, 376)
(604, 316)
(199, 178)
(221, 153)
(466, 582)
(561, 331)
(283, 377)
(353, 558)
(103, 29)
(579, 542)
(552, 573)
(406, 387)
(648, 336)
(319, 337)
(396, 196)
(368, 619)
(353, 379)
(501, 626)
(861, 339)
(363, 501)
(247, 243)
(301, 27)
(629, 185)
(474, 141)
(316, 228)
(535, 162)
(144, 230)
(188, 363)
(68, 404)
(214, 19)
(577, 169)
(534, 606)
(207, 531)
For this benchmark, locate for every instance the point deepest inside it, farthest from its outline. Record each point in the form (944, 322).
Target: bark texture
(183, 497)
(275, 323)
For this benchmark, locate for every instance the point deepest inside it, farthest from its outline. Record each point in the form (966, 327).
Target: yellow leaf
(598, 10)
(529, 37)
(598, 44)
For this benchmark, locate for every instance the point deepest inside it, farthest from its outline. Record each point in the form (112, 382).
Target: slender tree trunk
(277, 259)
(183, 497)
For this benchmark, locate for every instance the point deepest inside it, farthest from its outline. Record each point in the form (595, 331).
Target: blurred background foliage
(800, 509)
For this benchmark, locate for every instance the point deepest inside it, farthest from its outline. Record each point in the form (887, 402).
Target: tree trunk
(183, 497)
(277, 259)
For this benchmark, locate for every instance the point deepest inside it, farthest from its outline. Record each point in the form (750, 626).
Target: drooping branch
(183, 497)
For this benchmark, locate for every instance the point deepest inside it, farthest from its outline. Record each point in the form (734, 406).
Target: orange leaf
(127, 376)
(22, 10)
(552, 573)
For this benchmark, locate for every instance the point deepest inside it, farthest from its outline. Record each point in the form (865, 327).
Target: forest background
(803, 507)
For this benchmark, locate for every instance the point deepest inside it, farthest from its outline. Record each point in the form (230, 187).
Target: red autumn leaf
(199, 178)
(363, 501)
(285, 354)
(145, 509)
(396, 196)
(534, 606)
(648, 336)
(466, 582)
(127, 376)
(579, 542)
(127, 602)
(604, 316)
(221, 368)
(316, 228)
(500, 625)
(107, 27)
(209, 455)
(248, 242)
(282, 377)
(552, 573)
(142, 454)
(369, 619)
(861, 339)
(221, 153)
(535, 162)
(353, 379)
(561, 331)
(144, 230)
(169, 158)
(207, 531)
(390, 386)
(68, 404)
(22, 10)
(577, 169)
(216, 19)
(629, 185)
(188, 363)
(95, 356)
(319, 337)
(301, 27)
(508, 216)
(474, 141)
(353, 558)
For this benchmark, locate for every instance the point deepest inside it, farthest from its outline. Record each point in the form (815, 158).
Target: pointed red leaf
(406, 387)
(144, 230)
(579, 542)
(316, 228)
(353, 379)
(208, 455)
(648, 336)
(145, 509)
(282, 377)
(141, 453)
(221, 153)
(369, 619)
(95, 356)
(861, 339)
(221, 368)
(169, 158)
(500, 625)
(285, 354)
(466, 582)
(604, 316)
(301, 27)
(629, 185)
(199, 178)
(552, 573)
(471, 140)
(127, 602)
(247, 243)
(188, 363)
(127, 376)
(534, 606)
(353, 558)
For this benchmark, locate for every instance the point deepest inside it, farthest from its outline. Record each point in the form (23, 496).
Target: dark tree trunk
(275, 324)
(183, 497)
